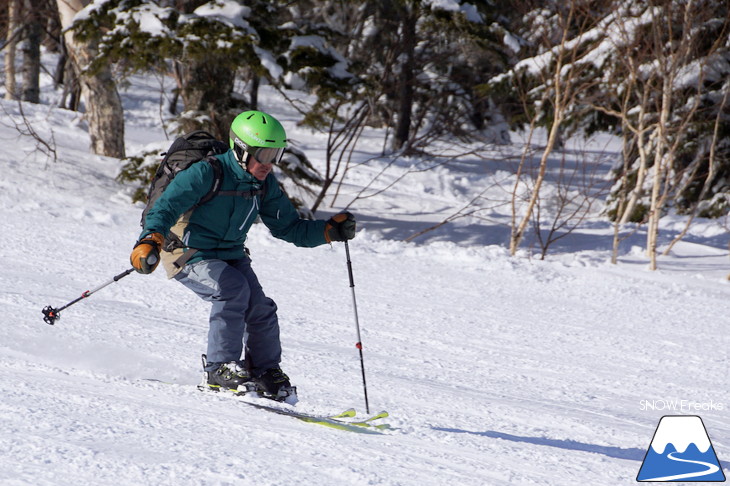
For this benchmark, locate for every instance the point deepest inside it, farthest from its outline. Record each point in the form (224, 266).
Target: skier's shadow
(572, 445)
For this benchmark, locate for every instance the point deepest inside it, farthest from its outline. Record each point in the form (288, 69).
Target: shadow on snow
(571, 445)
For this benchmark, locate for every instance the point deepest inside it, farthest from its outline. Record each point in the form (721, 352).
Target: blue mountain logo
(681, 451)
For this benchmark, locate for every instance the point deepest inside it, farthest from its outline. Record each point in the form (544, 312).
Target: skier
(213, 261)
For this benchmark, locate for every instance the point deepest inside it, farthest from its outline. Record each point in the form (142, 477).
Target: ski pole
(357, 326)
(52, 314)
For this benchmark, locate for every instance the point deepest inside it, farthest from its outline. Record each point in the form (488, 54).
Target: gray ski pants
(240, 315)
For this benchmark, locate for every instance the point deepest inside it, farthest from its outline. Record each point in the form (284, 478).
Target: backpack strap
(215, 164)
(172, 242)
(184, 258)
(244, 194)
(213, 192)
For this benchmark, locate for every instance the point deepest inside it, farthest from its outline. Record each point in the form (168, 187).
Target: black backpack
(185, 151)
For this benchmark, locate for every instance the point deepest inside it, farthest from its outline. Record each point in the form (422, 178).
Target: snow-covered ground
(495, 370)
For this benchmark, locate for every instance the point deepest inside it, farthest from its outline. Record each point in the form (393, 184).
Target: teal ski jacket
(218, 228)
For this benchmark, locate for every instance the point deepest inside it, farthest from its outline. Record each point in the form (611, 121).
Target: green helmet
(257, 134)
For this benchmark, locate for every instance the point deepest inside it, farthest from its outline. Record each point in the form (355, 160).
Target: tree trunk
(655, 211)
(519, 231)
(32, 52)
(628, 138)
(643, 147)
(255, 83)
(562, 88)
(205, 88)
(406, 79)
(104, 112)
(12, 41)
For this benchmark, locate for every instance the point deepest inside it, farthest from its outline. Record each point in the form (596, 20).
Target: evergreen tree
(208, 47)
(632, 61)
(420, 67)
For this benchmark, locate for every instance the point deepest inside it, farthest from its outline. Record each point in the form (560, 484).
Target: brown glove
(340, 227)
(146, 253)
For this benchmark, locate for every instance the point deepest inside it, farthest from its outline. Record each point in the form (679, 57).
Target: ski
(367, 422)
(349, 413)
(337, 421)
(332, 421)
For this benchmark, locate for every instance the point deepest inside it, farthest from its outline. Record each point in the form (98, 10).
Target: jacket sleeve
(281, 217)
(183, 192)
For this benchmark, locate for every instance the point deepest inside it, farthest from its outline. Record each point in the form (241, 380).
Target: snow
(149, 20)
(227, 11)
(317, 43)
(495, 369)
(511, 41)
(471, 13)
(452, 5)
(269, 62)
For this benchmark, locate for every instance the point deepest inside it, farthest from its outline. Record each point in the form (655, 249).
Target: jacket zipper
(254, 206)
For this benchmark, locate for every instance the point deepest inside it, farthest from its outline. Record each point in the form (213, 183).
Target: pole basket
(50, 315)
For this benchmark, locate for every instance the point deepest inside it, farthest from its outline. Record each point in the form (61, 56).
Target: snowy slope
(496, 370)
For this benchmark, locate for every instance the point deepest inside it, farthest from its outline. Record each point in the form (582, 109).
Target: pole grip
(349, 265)
(124, 274)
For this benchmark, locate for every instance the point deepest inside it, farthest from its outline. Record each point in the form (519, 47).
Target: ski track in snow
(495, 370)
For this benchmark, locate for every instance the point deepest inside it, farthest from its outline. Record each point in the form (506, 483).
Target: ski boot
(232, 377)
(274, 384)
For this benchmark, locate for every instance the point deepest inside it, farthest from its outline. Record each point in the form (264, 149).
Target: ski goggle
(266, 155)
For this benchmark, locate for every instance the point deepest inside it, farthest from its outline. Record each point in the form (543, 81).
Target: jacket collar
(240, 174)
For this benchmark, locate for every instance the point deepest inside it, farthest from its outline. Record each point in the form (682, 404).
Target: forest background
(443, 79)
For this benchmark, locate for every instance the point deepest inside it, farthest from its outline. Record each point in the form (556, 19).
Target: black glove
(340, 227)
